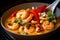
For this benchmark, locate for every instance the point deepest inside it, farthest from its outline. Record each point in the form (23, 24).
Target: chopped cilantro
(27, 24)
(7, 22)
(17, 21)
(50, 16)
(49, 13)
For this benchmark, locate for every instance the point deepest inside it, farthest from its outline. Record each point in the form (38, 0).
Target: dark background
(6, 4)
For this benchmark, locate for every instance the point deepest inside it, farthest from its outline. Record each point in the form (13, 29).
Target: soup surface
(31, 21)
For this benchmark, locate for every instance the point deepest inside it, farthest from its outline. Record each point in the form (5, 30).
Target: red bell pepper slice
(36, 11)
(13, 13)
(36, 16)
(41, 9)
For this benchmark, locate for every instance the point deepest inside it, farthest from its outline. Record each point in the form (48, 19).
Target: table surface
(5, 4)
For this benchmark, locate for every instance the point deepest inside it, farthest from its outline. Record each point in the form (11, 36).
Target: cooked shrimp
(30, 30)
(48, 25)
(28, 19)
(34, 22)
(13, 26)
(43, 17)
(22, 14)
(21, 29)
(11, 20)
(39, 28)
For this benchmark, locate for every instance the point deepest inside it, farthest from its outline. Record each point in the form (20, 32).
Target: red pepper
(13, 13)
(41, 9)
(35, 12)
(36, 16)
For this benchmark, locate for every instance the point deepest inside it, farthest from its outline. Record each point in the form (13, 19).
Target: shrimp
(11, 20)
(13, 26)
(48, 25)
(21, 29)
(30, 30)
(28, 19)
(22, 14)
(33, 22)
(39, 28)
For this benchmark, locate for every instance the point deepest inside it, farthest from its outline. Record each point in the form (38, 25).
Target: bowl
(25, 37)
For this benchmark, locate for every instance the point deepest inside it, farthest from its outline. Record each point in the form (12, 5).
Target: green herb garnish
(27, 24)
(49, 13)
(50, 16)
(17, 21)
(7, 22)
